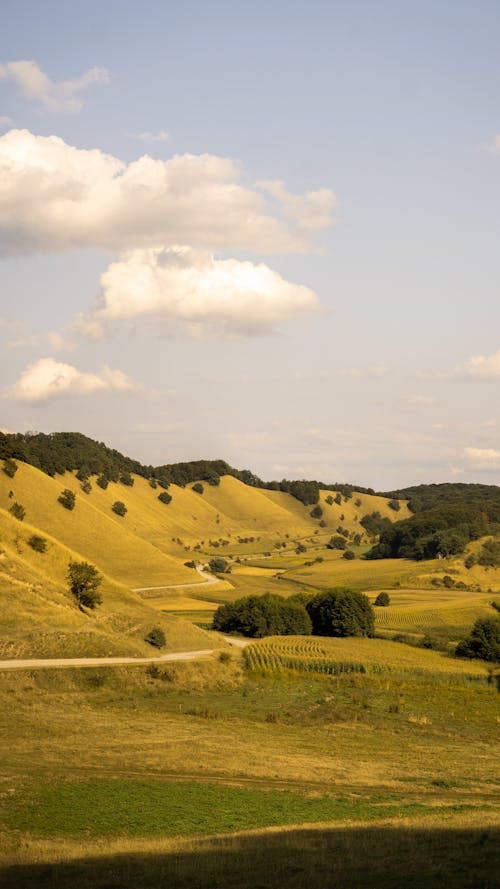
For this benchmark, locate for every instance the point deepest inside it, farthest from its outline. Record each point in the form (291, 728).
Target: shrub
(84, 580)
(86, 487)
(153, 483)
(348, 554)
(329, 500)
(470, 561)
(10, 467)
(190, 564)
(316, 512)
(67, 499)
(483, 641)
(300, 548)
(198, 487)
(382, 600)
(164, 497)
(119, 508)
(219, 566)
(395, 505)
(266, 615)
(18, 511)
(156, 638)
(336, 543)
(341, 612)
(213, 480)
(39, 544)
(103, 482)
(126, 479)
(490, 554)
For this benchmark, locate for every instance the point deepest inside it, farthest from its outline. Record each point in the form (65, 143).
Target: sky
(263, 232)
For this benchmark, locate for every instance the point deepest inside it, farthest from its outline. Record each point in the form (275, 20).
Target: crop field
(355, 655)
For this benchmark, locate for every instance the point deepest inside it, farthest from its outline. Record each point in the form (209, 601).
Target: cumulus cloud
(54, 196)
(147, 136)
(483, 458)
(53, 338)
(36, 86)
(194, 291)
(47, 379)
(312, 211)
(482, 367)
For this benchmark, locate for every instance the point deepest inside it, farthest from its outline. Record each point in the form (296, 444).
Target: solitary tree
(119, 508)
(383, 599)
(84, 580)
(67, 499)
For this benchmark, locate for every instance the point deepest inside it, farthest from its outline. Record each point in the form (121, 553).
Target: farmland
(300, 748)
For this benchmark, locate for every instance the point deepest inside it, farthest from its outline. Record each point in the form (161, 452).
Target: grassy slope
(38, 616)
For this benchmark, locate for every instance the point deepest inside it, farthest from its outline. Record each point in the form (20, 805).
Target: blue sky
(303, 279)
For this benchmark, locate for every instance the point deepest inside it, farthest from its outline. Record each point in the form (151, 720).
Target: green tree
(156, 638)
(18, 511)
(198, 487)
(266, 615)
(10, 467)
(39, 544)
(219, 566)
(67, 499)
(483, 641)
(84, 580)
(348, 554)
(383, 599)
(336, 542)
(341, 612)
(119, 508)
(316, 512)
(164, 497)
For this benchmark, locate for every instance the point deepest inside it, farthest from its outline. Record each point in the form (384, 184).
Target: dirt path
(38, 663)
(209, 578)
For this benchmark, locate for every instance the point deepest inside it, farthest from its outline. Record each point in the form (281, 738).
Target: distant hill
(424, 497)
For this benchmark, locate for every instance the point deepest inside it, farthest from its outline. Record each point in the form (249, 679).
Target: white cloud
(47, 379)
(54, 196)
(483, 458)
(4, 120)
(147, 136)
(312, 211)
(54, 339)
(36, 86)
(482, 367)
(191, 289)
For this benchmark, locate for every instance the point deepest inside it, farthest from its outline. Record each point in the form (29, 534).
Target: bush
(126, 479)
(348, 554)
(103, 482)
(84, 580)
(470, 561)
(266, 615)
(483, 641)
(153, 483)
(164, 497)
(219, 566)
(39, 544)
(67, 499)
(382, 600)
(329, 500)
(18, 511)
(336, 543)
(119, 508)
(156, 638)
(341, 612)
(490, 554)
(395, 505)
(198, 487)
(10, 467)
(86, 487)
(190, 564)
(316, 512)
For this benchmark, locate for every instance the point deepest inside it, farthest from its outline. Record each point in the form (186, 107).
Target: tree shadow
(354, 858)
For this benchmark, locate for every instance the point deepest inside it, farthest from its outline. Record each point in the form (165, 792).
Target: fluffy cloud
(193, 290)
(54, 196)
(482, 367)
(483, 458)
(54, 339)
(47, 379)
(312, 211)
(36, 86)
